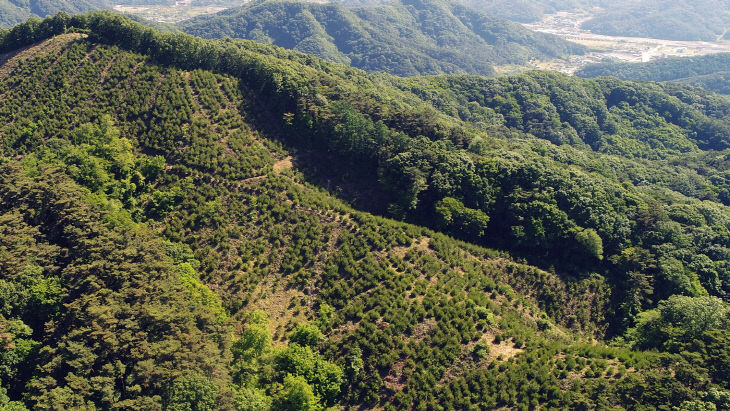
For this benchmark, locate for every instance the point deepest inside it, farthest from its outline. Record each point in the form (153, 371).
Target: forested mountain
(170, 236)
(405, 37)
(710, 71)
(674, 20)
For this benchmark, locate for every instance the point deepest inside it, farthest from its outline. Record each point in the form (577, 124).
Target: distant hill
(172, 235)
(406, 37)
(15, 11)
(674, 20)
(524, 11)
(710, 71)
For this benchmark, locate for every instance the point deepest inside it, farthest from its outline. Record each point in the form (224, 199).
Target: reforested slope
(404, 38)
(183, 145)
(260, 238)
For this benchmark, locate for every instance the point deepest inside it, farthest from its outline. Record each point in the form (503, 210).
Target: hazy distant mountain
(524, 10)
(15, 11)
(405, 37)
(675, 20)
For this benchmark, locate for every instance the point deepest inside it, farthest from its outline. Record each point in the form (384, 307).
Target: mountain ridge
(405, 38)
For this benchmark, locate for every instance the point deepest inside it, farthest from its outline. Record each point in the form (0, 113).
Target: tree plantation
(191, 224)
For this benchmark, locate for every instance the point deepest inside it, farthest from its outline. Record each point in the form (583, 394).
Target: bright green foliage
(324, 377)
(191, 392)
(199, 291)
(307, 377)
(680, 320)
(296, 395)
(591, 242)
(251, 399)
(248, 350)
(462, 221)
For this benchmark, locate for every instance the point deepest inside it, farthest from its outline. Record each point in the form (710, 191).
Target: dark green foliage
(668, 69)
(102, 289)
(306, 335)
(462, 221)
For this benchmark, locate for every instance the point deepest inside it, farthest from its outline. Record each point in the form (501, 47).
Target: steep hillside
(192, 164)
(406, 37)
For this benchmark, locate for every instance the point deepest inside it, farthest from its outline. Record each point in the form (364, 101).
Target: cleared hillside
(175, 165)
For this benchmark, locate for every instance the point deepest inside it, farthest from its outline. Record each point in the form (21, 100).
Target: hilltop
(408, 37)
(181, 220)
